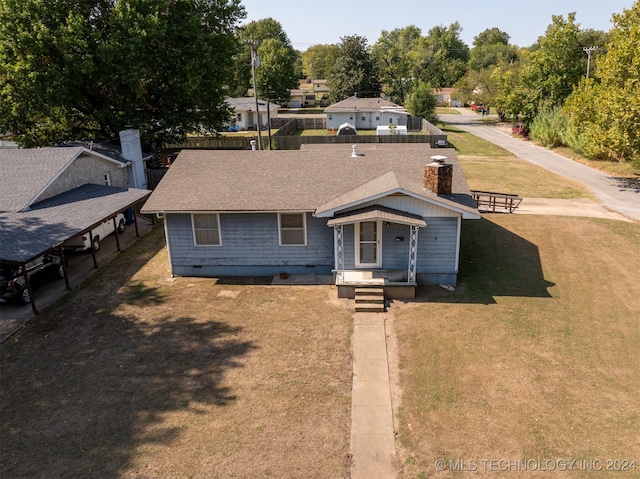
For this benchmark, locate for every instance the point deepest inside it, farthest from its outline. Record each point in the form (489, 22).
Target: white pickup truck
(84, 241)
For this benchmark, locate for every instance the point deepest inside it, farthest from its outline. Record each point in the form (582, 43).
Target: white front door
(368, 244)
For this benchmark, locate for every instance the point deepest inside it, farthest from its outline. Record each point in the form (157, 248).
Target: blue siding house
(387, 214)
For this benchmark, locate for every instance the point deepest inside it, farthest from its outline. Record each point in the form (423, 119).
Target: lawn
(136, 374)
(535, 357)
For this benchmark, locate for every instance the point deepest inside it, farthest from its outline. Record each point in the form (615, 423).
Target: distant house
(246, 117)
(50, 195)
(310, 93)
(388, 214)
(365, 113)
(443, 96)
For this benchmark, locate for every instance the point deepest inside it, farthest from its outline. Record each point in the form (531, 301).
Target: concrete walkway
(372, 429)
(617, 194)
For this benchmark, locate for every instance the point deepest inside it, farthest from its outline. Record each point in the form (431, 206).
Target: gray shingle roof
(25, 235)
(362, 104)
(249, 104)
(24, 173)
(301, 180)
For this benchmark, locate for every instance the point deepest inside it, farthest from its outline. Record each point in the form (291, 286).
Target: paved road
(617, 194)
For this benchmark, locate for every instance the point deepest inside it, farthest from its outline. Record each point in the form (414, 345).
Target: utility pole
(589, 51)
(255, 61)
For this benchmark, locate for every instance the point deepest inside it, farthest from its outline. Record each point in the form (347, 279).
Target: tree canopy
(276, 74)
(319, 61)
(355, 71)
(392, 54)
(75, 69)
(604, 111)
(256, 32)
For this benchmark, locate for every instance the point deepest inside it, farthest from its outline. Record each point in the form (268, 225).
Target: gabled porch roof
(378, 212)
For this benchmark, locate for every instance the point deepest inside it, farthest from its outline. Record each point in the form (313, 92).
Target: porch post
(339, 246)
(413, 253)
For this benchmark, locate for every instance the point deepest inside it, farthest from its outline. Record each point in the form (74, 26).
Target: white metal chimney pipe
(354, 153)
(132, 151)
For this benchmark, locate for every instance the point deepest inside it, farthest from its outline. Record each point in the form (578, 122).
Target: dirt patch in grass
(140, 375)
(535, 357)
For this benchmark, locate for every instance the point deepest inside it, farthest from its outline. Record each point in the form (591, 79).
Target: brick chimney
(438, 176)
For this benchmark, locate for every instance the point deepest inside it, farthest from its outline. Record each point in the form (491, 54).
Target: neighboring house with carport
(365, 113)
(246, 116)
(50, 195)
(368, 213)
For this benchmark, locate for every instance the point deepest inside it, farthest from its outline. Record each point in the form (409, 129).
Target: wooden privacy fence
(283, 139)
(294, 142)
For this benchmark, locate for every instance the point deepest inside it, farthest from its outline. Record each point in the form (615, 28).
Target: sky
(308, 23)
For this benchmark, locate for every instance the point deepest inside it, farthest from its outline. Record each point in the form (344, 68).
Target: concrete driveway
(621, 195)
(79, 267)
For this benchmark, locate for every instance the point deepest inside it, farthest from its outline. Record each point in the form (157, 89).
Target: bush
(550, 128)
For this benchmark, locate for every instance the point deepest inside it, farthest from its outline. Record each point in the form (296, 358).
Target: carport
(24, 236)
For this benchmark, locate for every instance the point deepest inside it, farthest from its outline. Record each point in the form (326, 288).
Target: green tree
(276, 74)
(491, 36)
(441, 57)
(604, 111)
(555, 66)
(355, 71)
(318, 61)
(421, 102)
(490, 47)
(392, 56)
(255, 33)
(74, 69)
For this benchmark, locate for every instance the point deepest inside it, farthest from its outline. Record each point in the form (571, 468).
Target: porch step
(369, 300)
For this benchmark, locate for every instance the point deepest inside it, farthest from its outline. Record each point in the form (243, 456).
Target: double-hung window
(206, 229)
(292, 229)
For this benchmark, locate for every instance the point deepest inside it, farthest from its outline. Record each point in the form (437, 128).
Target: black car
(40, 270)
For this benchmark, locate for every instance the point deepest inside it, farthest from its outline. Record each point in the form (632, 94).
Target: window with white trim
(206, 229)
(292, 229)
(107, 179)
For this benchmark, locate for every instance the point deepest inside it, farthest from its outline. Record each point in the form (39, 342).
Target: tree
(555, 66)
(490, 47)
(276, 74)
(441, 57)
(422, 102)
(355, 72)
(318, 61)
(491, 36)
(392, 56)
(255, 33)
(74, 69)
(604, 111)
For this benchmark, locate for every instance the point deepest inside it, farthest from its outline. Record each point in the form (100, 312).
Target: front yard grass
(535, 357)
(139, 375)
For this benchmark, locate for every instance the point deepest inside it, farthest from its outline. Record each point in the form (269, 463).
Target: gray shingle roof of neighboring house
(249, 104)
(49, 223)
(364, 104)
(25, 173)
(326, 177)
